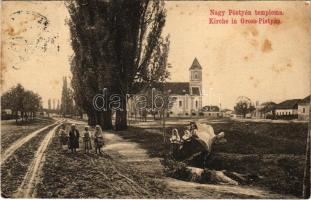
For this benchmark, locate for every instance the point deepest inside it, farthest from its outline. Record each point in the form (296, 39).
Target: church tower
(195, 84)
(195, 72)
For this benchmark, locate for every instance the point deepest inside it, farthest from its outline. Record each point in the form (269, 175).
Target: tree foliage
(67, 103)
(22, 101)
(268, 106)
(117, 44)
(244, 106)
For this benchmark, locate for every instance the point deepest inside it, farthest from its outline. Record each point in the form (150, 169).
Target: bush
(7, 116)
(286, 117)
(269, 116)
(176, 169)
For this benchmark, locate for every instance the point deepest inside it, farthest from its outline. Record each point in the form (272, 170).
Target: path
(132, 154)
(27, 188)
(6, 154)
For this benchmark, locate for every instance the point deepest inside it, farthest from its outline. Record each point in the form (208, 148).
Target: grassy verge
(274, 152)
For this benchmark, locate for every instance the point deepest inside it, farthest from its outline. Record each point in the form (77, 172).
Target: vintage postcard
(155, 99)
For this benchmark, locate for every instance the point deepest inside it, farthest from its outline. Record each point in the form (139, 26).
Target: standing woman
(63, 138)
(98, 139)
(73, 138)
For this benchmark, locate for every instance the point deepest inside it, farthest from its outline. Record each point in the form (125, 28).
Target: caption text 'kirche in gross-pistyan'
(232, 16)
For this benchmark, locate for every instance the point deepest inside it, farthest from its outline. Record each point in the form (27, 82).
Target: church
(187, 95)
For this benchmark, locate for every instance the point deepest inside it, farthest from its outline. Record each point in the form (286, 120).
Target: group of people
(189, 135)
(72, 139)
(190, 132)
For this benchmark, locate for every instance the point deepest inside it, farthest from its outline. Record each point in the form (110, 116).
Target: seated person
(187, 134)
(175, 138)
(193, 129)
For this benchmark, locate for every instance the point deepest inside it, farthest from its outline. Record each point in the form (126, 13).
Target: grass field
(10, 131)
(274, 152)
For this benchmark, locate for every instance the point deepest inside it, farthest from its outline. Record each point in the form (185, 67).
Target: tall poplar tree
(116, 44)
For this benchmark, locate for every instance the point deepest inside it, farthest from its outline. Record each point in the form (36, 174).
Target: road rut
(27, 188)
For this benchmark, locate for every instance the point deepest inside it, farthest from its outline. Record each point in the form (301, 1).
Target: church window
(195, 91)
(196, 104)
(196, 76)
(180, 103)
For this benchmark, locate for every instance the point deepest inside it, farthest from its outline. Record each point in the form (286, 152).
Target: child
(175, 136)
(98, 139)
(63, 139)
(87, 140)
(175, 141)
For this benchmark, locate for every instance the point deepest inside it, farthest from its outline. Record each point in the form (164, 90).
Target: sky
(263, 62)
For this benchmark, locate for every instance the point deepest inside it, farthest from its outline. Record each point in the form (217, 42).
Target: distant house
(226, 112)
(304, 108)
(287, 109)
(7, 111)
(258, 113)
(211, 111)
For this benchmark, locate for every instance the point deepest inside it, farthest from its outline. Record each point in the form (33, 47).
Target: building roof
(210, 109)
(195, 64)
(288, 104)
(305, 100)
(226, 110)
(174, 88)
(177, 88)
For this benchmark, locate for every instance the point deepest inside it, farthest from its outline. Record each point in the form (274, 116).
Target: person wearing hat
(73, 138)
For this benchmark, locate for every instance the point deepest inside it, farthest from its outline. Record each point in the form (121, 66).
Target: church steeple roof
(195, 64)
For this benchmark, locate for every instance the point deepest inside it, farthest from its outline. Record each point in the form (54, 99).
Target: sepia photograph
(155, 99)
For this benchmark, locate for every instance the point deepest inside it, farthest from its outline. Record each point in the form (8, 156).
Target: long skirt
(73, 143)
(87, 144)
(99, 142)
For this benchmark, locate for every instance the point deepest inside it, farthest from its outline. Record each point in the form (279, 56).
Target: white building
(304, 108)
(186, 97)
(287, 109)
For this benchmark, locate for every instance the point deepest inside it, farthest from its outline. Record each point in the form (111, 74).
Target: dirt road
(119, 152)
(21, 160)
(7, 153)
(27, 188)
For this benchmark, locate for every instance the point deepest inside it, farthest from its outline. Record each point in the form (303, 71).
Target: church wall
(185, 105)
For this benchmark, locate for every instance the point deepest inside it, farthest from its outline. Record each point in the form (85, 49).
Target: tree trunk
(16, 116)
(98, 118)
(306, 178)
(121, 120)
(104, 119)
(91, 119)
(121, 117)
